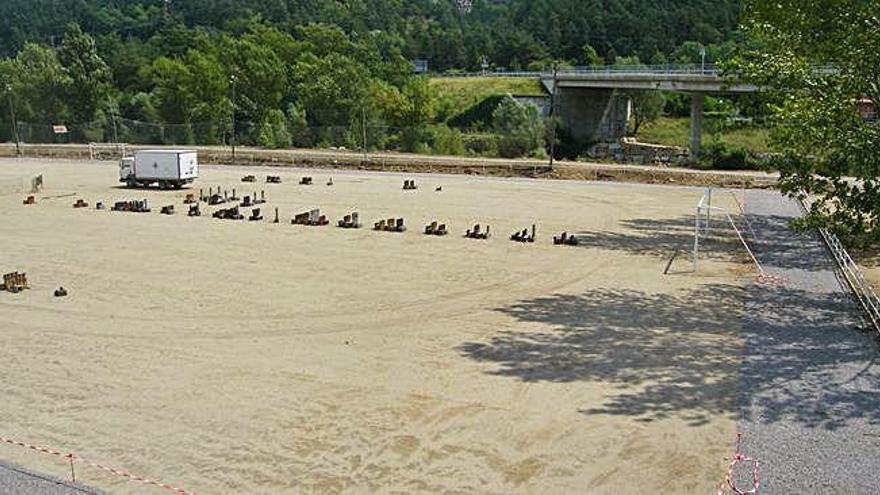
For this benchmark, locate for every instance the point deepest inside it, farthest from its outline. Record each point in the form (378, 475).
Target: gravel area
(15, 480)
(810, 388)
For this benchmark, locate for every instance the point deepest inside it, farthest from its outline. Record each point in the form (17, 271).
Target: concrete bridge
(593, 106)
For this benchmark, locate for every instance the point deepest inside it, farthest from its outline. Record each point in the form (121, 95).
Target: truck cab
(126, 170)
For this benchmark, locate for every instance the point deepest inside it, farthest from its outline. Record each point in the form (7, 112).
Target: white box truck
(165, 168)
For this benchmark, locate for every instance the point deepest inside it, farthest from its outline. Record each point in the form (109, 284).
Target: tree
(273, 131)
(828, 154)
(519, 128)
(647, 106)
(88, 76)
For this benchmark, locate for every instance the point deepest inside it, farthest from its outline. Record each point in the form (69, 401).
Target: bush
(519, 127)
(722, 156)
(448, 141)
(273, 131)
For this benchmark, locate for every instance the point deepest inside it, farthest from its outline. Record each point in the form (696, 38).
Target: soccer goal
(101, 151)
(703, 227)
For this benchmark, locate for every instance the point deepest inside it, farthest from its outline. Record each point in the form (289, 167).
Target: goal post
(98, 151)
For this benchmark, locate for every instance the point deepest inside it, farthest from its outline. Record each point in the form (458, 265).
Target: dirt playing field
(244, 357)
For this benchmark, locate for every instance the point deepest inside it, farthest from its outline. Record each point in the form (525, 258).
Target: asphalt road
(809, 396)
(15, 480)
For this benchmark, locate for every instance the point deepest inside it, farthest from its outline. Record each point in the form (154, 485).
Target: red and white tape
(769, 279)
(75, 458)
(738, 458)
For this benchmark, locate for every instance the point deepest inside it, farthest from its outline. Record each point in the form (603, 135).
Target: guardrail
(861, 289)
(659, 70)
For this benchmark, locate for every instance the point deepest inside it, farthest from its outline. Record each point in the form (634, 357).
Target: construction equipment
(255, 215)
(434, 229)
(60, 292)
(99, 205)
(565, 240)
(134, 206)
(247, 202)
(249, 178)
(273, 179)
(15, 282)
(194, 211)
(390, 225)
(330, 182)
(350, 221)
(438, 189)
(167, 210)
(190, 199)
(524, 236)
(305, 181)
(30, 200)
(262, 199)
(80, 204)
(216, 199)
(477, 233)
(409, 185)
(228, 214)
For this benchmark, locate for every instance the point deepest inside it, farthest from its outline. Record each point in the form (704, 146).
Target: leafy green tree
(519, 128)
(647, 106)
(88, 77)
(828, 153)
(40, 82)
(273, 131)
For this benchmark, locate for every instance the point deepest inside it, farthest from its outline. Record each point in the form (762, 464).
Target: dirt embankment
(400, 162)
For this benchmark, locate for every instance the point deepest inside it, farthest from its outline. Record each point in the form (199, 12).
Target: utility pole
(702, 59)
(364, 131)
(232, 82)
(113, 119)
(553, 112)
(14, 122)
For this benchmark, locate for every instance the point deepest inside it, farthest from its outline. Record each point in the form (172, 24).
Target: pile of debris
(15, 282)
(524, 236)
(390, 225)
(312, 218)
(565, 240)
(133, 206)
(350, 221)
(477, 233)
(434, 229)
(228, 214)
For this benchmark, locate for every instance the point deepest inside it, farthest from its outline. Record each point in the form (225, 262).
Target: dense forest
(309, 72)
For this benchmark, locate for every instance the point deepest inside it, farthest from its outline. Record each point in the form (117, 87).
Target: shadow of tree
(661, 237)
(673, 354)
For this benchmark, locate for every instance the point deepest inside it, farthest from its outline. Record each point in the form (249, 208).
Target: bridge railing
(699, 70)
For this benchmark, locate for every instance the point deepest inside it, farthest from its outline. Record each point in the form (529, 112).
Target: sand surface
(238, 357)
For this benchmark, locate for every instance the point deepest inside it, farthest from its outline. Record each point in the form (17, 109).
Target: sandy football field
(240, 357)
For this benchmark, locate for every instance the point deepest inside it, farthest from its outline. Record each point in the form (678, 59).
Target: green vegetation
(672, 131)
(822, 135)
(456, 94)
(319, 72)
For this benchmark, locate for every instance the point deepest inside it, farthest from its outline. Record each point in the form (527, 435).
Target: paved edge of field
(809, 397)
(16, 480)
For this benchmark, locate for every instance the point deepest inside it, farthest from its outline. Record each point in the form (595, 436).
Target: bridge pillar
(592, 115)
(697, 100)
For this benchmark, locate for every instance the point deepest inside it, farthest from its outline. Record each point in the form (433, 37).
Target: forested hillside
(510, 33)
(309, 72)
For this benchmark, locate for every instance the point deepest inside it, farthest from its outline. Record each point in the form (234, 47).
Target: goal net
(711, 218)
(107, 151)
